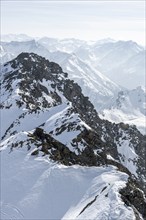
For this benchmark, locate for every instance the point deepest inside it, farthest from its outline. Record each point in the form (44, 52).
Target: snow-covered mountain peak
(47, 121)
(14, 48)
(104, 41)
(53, 142)
(31, 85)
(68, 45)
(130, 46)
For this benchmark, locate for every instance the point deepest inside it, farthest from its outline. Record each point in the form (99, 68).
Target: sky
(87, 20)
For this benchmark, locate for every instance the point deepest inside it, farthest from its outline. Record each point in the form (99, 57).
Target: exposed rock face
(66, 126)
(133, 196)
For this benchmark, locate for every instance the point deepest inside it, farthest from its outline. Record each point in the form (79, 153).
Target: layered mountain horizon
(104, 69)
(60, 159)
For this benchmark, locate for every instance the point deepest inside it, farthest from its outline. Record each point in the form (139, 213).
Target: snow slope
(133, 70)
(37, 188)
(94, 84)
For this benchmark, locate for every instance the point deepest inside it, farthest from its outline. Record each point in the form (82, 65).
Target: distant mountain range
(115, 59)
(91, 64)
(128, 106)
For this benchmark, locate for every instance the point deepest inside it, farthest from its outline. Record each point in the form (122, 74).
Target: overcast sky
(88, 20)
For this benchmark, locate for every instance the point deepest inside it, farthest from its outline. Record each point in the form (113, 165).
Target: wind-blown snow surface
(36, 188)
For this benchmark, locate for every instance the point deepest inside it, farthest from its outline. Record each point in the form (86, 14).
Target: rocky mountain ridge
(54, 118)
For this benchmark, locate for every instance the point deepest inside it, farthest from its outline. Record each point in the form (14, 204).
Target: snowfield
(37, 188)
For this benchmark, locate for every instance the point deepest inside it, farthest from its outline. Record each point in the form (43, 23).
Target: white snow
(36, 188)
(127, 154)
(107, 205)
